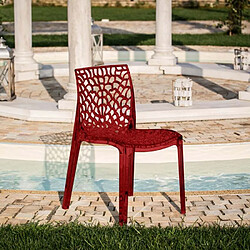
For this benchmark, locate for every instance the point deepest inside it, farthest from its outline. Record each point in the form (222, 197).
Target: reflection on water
(56, 154)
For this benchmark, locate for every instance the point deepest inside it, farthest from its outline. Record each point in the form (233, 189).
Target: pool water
(90, 177)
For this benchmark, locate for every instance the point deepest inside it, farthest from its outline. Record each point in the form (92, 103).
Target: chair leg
(123, 187)
(181, 175)
(74, 152)
(131, 154)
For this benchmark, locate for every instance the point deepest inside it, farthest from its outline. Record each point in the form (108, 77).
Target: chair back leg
(123, 186)
(74, 152)
(181, 175)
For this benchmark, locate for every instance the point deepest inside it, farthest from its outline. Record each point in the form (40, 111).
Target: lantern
(7, 84)
(182, 92)
(237, 59)
(245, 58)
(97, 44)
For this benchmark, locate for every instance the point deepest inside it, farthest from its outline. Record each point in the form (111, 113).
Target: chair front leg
(74, 152)
(181, 175)
(131, 156)
(123, 186)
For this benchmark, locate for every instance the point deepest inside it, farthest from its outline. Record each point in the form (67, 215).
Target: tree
(235, 15)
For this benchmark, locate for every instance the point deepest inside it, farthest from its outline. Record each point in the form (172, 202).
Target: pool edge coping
(211, 192)
(108, 154)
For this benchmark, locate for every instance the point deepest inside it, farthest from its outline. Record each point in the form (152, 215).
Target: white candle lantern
(245, 58)
(182, 92)
(97, 44)
(7, 83)
(237, 59)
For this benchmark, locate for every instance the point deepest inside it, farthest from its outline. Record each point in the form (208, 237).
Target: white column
(163, 44)
(79, 45)
(26, 68)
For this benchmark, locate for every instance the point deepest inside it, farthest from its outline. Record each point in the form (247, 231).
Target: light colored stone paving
(178, 27)
(149, 209)
(130, 27)
(194, 132)
(47, 89)
(156, 88)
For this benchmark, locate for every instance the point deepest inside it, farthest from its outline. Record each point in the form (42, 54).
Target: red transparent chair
(105, 114)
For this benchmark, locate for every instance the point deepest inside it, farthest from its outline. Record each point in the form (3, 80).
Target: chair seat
(140, 139)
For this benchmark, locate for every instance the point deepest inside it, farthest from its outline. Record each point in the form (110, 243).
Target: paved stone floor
(149, 209)
(130, 27)
(157, 88)
(194, 132)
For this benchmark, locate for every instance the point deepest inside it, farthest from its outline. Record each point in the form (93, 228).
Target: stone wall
(136, 3)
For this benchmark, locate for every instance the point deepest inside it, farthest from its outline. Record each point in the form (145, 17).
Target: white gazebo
(79, 40)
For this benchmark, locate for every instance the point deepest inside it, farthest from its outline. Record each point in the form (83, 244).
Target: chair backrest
(105, 97)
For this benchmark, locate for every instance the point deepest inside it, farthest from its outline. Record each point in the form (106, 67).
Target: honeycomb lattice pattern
(105, 97)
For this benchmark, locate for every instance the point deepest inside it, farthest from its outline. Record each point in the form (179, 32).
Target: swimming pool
(149, 177)
(44, 167)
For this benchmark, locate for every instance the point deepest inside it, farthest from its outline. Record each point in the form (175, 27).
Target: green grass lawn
(203, 14)
(219, 39)
(75, 236)
(52, 13)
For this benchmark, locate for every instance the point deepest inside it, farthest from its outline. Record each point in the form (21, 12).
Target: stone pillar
(79, 46)
(26, 68)
(163, 44)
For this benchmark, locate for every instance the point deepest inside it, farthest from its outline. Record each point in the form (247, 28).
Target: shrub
(118, 4)
(235, 15)
(139, 4)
